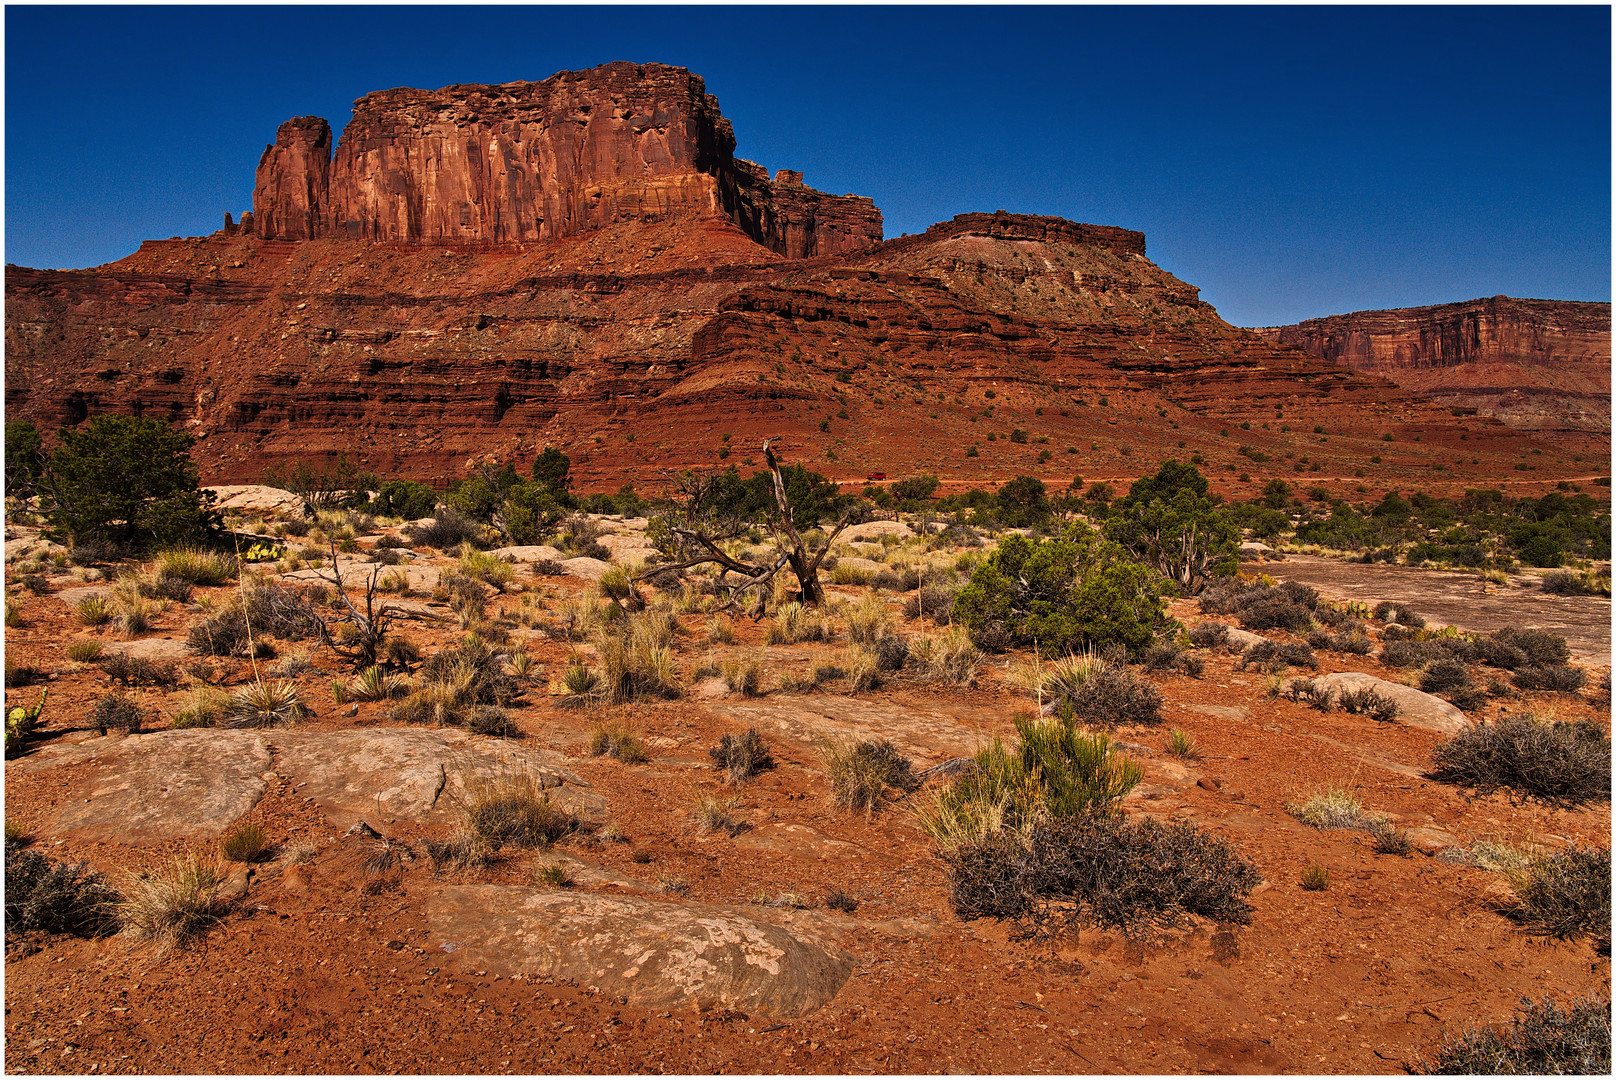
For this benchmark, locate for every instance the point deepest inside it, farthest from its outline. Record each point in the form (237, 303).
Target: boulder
(257, 497)
(585, 567)
(874, 530)
(647, 953)
(1243, 639)
(1252, 549)
(1416, 708)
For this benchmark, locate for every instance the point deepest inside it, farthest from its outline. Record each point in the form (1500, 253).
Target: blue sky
(1292, 162)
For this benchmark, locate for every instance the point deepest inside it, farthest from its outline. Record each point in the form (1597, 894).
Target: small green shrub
(93, 611)
(1315, 878)
(195, 566)
(84, 650)
(1179, 745)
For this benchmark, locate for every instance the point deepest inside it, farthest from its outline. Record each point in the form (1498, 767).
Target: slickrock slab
(160, 786)
(648, 952)
(585, 567)
(1416, 708)
(416, 774)
(257, 497)
(874, 530)
(797, 841)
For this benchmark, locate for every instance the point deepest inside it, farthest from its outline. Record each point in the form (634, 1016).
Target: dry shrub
(793, 623)
(264, 611)
(114, 711)
(1100, 869)
(1563, 763)
(932, 602)
(1566, 895)
(1097, 691)
(1554, 678)
(137, 670)
(1370, 703)
(617, 739)
(1270, 656)
(714, 814)
(1538, 646)
(868, 619)
(744, 674)
(861, 772)
(1540, 1040)
(741, 756)
(55, 897)
(1208, 635)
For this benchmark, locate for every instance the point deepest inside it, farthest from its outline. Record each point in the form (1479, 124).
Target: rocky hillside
(614, 282)
(1542, 364)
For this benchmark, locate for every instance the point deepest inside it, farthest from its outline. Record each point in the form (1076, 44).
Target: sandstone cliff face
(1531, 363)
(535, 161)
(635, 346)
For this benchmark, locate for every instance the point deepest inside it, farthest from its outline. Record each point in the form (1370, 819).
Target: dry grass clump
(868, 620)
(454, 682)
(720, 631)
(1563, 763)
(1315, 878)
(1541, 1040)
(194, 565)
(511, 809)
(714, 814)
(741, 756)
(948, 657)
(552, 875)
(862, 772)
(261, 704)
(794, 623)
(265, 611)
(83, 651)
(1096, 691)
(1565, 895)
(203, 706)
(636, 664)
(489, 569)
(744, 674)
(1332, 808)
(247, 841)
(173, 906)
(615, 738)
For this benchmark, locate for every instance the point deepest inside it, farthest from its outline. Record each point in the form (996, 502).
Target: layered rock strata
(1532, 363)
(528, 162)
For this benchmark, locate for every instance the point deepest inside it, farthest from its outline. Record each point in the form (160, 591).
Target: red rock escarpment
(635, 346)
(533, 161)
(1532, 363)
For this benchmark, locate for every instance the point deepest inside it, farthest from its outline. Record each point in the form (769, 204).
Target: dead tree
(361, 634)
(790, 549)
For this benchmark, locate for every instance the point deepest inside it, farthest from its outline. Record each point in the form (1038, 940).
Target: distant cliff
(1531, 363)
(535, 161)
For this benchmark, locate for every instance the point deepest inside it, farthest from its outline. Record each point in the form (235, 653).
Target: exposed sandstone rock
(651, 953)
(160, 786)
(1532, 363)
(1416, 708)
(533, 161)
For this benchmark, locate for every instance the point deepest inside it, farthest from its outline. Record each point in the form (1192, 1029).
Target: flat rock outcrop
(161, 786)
(526, 162)
(1531, 363)
(1415, 708)
(648, 953)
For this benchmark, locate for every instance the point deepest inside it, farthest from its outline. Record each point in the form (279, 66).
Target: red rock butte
(474, 273)
(535, 161)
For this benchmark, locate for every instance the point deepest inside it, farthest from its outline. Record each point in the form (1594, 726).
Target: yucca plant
(261, 704)
(1179, 744)
(375, 684)
(84, 651)
(93, 611)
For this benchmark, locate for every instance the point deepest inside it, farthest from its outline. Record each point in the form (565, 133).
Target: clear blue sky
(1291, 162)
